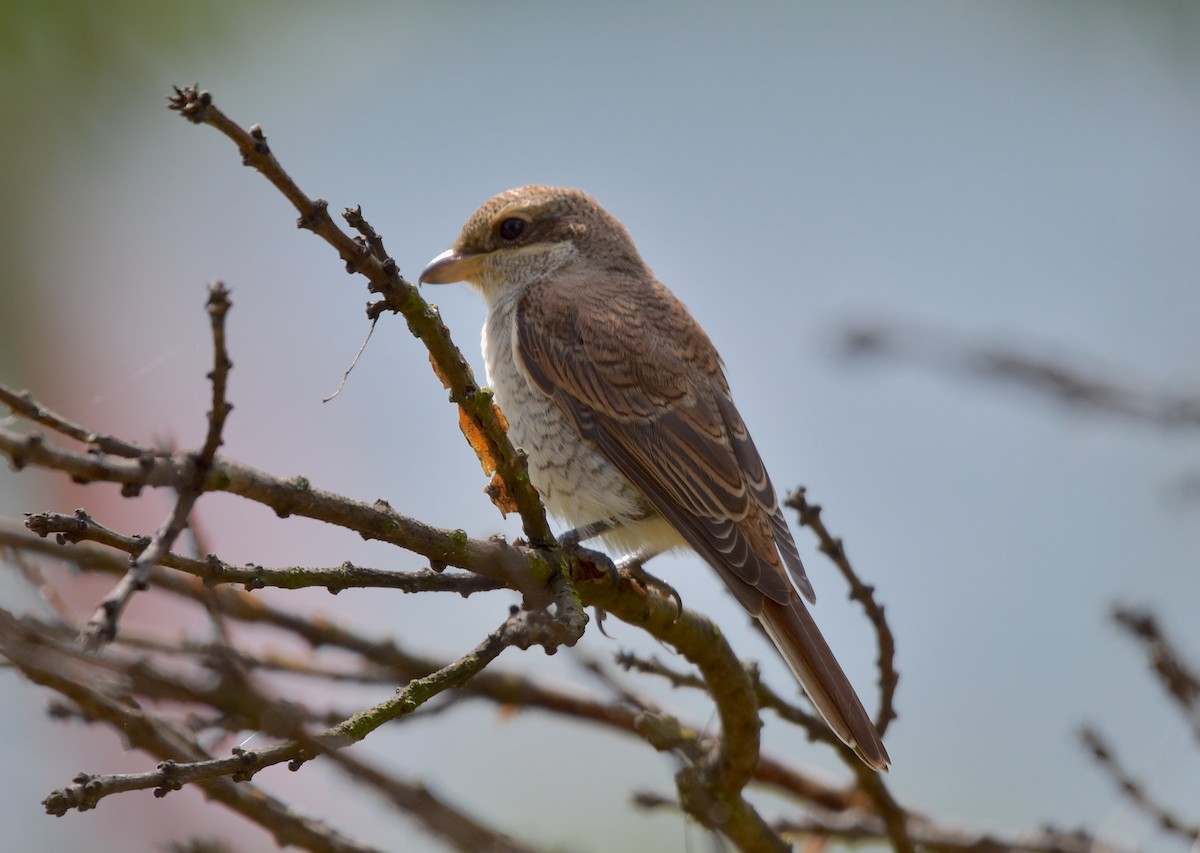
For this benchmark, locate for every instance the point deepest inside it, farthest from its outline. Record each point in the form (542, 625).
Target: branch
(438, 817)
(494, 559)
(390, 664)
(45, 663)
(102, 627)
(864, 594)
(859, 828)
(1176, 676)
(399, 295)
(715, 771)
(714, 783)
(1134, 790)
(23, 405)
(81, 527)
(243, 764)
(1067, 383)
(709, 789)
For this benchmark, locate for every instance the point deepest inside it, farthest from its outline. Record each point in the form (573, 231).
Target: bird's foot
(601, 615)
(584, 532)
(633, 566)
(599, 559)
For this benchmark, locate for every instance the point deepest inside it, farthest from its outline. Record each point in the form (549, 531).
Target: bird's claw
(601, 615)
(597, 558)
(634, 568)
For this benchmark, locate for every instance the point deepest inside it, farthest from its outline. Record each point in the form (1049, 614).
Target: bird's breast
(576, 482)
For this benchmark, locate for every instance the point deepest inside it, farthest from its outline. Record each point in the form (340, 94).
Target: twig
(1134, 790)
(80, 527)
(653, 666)
(24, 405)
(47, 663)
(857, 827)
(439, 818)
(491, 558)
(1067, 383)
(102, 627)
(864, 594)
(710, 790)
(893, 815)
(623, 692)
(507, 689)
(398, 295)
(1176, 677)
(354, 218)
(243, 764)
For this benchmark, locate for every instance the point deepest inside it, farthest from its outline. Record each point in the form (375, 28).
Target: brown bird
(620, 401)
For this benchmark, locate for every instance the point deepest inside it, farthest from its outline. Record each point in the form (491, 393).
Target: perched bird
(620, 402)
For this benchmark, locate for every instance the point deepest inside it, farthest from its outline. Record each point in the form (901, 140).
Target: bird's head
(530, 233)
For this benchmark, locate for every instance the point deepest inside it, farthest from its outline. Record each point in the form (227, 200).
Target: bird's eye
(512, 228)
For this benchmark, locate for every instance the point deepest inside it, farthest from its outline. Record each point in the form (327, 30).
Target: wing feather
(652, 397)
(642, 384)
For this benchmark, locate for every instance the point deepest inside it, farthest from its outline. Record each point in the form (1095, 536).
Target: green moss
(459, 540)
(540, 568)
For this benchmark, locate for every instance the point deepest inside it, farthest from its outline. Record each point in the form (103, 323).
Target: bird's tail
(793, 631)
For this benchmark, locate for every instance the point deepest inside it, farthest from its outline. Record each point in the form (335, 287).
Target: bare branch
(46, 662)
(864, 594)
(858, 828)
(1179, 680)
(102, 627)
(491, 558)
(398, 294)
(438, 817)
(80, 527)
(1134, 790)
(245, 763)
(1069, 384)
(23, 405)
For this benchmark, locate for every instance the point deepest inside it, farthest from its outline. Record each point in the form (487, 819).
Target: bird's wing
(643, 384)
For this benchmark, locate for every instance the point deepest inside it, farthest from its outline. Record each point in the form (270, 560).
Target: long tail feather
(795, 634)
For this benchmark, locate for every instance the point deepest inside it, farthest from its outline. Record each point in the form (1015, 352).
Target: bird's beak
(450, 266)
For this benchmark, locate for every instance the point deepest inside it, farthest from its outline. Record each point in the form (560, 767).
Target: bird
(621, 404)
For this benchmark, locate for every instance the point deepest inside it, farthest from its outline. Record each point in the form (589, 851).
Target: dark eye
(511, 229)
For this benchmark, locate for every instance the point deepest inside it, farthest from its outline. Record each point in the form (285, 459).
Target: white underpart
(577, 484)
